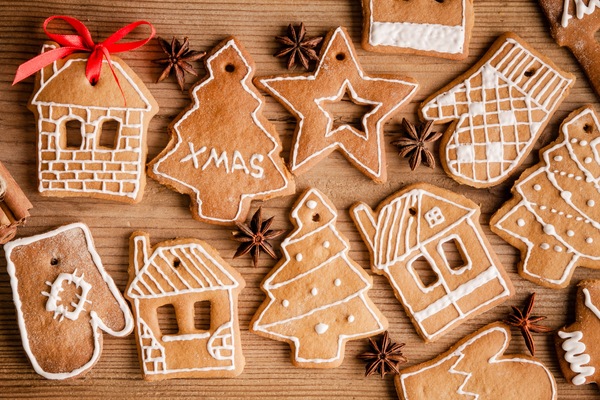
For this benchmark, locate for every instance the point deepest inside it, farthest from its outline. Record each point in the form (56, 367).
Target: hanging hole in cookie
(587, 128)
(530, 72)
(316, 217)
(230, 68)
(340, 56)
(440, 1)
(176, 263)
(54, 261)
(412, 211)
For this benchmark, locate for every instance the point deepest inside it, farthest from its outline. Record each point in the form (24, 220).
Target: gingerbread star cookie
(309, 96)
(223, 153)
(497, 110)
(555, 209)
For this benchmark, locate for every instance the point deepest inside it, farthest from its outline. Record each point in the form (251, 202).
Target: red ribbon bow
(82, 42)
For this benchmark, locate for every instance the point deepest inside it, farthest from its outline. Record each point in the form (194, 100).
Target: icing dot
(577, 178)
(337, 282)
(543, 207)
(549, 229)
(326, 244)
(562, 173)
(321, 328)
(558, 158)
(557, 249)
(544, 246)
(589, 179)
(591, 203)
(570, 175)
(583, 143)
(587, 160)
(566, 195)
(311, 204)
(570, 233)
(589, 240)
(299, 257)
(537, 187)
(285, 303)
(574, 140)
(314, 291)
(350, 318)
(521, 222)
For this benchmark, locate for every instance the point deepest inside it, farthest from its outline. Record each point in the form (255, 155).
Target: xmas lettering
(202, 159)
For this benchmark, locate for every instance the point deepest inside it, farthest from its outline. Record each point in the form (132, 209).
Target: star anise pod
(297, 47)
(527, 323)
(179, 58)
(254, 237)
(414, 146)
(384, 356)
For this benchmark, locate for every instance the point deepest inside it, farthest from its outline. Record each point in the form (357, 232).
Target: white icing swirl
(575, 356)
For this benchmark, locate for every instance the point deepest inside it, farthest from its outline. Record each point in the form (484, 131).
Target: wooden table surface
(164, 214)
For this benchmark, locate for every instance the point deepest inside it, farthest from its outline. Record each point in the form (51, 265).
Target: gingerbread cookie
(577, 344)
(574, 24)
(413, 228)
(85, 162)
(309, 96)
(430, 28)
(189, 276)
(317, 295)
(14, 206)
(64, 300)
(555, 209)
(223, 153)
(476, 367)
(497, 110)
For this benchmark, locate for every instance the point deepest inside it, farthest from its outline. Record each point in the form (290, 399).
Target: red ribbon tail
(107, 55)
(37, 63)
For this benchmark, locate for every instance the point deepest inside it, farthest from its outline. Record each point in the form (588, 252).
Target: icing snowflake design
(54, 300)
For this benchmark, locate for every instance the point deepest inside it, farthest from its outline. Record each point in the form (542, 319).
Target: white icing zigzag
(575, 355)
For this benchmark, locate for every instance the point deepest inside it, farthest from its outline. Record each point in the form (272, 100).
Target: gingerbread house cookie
(555, 209)
(415, 224)
(497, 110)
(65, 299)
(426, 27)
(86, 163)
(189, 276)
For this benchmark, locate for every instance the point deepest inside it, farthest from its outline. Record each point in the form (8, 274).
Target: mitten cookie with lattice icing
(554, 213)
(223, 152)
(426, 27)
(65, 299)
(317, 295)
(477, 368)
(497, 110)
(312, 97)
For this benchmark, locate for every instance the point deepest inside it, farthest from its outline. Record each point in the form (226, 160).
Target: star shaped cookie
(306, 96)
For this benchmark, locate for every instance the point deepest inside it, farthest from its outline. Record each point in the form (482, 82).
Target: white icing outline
(497, 73)
(385, 254)
(436, 38)
(581, 10)
(273, 154)
(90, 142)
(294, 164)
(201, 278)
(268, 286)
(495, 359)
(576, 356)
(532, 207)
(95, 321)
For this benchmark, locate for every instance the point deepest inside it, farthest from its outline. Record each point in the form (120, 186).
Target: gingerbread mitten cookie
(497, 110)
(317, 295)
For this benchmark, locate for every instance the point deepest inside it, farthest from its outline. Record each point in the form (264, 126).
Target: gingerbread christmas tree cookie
(223, 153)
(555, 209)
(317, 295)
(309, 97)
(497, 110)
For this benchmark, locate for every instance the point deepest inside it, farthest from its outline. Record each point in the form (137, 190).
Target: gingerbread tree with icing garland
(317, 296)
(223, 153)
(555, 210)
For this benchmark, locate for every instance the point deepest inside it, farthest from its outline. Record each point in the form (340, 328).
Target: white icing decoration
(557, 249)
(570, 233)
(321, 328)
(314, 291)
(434, 217)
(532, 101)
(576, 357)
(285, 303)
(204, 276)
(549, 229)
(558, 158)
(311, 204)
(591, 203)
(289, 328)
(326, 244)
(589, 240)
(350, 318)
(537, 187)
(494, 152)
(583, 143)
(337, 282)
(544, 246)
(54, 304)
(589, 304)
(256, 170)
(566, 195)
(521, 222)
(372, 131)
(588, 160)
(405, 240)
(95, 321)
(299, 257)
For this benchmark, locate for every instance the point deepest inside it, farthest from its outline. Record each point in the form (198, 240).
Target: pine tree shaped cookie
(223, 153)
(317, 296)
